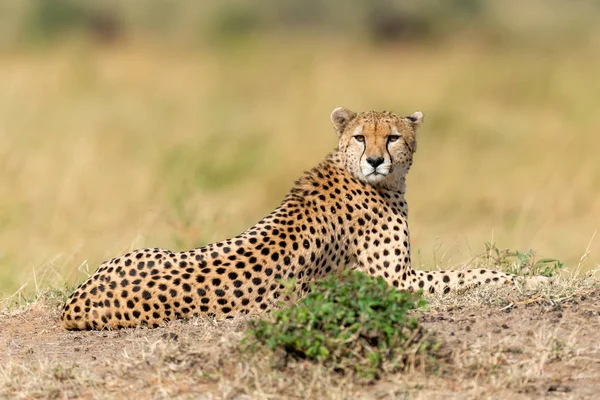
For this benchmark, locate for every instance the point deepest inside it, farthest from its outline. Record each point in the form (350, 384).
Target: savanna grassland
(107, 145)
(109, 149)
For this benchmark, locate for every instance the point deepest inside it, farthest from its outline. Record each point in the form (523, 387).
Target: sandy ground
(513, 345)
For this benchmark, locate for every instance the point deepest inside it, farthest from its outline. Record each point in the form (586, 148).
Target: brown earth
(502, 344)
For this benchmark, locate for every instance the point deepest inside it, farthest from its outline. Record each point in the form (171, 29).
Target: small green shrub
(352, 322)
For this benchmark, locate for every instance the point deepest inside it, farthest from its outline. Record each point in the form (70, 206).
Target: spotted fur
(347, 212)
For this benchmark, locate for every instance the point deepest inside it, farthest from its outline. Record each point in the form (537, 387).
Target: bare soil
(505, 344)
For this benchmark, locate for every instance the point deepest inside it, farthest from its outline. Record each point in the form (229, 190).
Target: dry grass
(107, 149)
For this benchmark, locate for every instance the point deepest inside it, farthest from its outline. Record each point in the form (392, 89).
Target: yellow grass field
(106, 149)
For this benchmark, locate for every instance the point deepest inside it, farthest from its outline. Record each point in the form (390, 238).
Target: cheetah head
(378, 147)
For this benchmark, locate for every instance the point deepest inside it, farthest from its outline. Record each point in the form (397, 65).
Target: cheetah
(347, 212)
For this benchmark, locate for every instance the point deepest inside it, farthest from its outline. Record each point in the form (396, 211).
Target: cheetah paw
(533, 281)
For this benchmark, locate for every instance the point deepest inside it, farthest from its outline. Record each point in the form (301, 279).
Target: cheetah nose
(375, 161)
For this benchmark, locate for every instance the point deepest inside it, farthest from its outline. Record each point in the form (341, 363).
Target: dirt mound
(513, 346)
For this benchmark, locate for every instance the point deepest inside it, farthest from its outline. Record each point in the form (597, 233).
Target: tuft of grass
(51, 295)
(353, 323)
(519, 263)
(43, 291)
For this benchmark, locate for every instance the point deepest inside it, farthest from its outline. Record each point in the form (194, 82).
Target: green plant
(352, 322)
(518, 263)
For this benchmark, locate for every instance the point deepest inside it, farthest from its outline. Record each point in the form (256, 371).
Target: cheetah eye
(393, 138)
(359, 138)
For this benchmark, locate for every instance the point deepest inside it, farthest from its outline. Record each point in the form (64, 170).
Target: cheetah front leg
(452, 280)
(404, 277)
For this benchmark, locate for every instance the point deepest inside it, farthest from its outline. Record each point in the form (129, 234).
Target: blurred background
(172, 124)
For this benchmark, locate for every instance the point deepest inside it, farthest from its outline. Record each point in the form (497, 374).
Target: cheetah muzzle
(347, 212)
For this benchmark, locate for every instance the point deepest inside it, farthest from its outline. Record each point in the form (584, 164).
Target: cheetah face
(377, 146)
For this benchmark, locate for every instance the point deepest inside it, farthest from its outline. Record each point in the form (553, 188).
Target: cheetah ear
(340, 118)
(416, 118)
